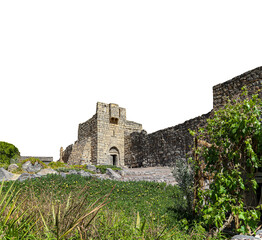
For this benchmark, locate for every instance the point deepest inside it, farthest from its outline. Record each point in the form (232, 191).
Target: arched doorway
(114, 156)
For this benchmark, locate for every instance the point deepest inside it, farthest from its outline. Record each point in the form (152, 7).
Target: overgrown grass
(136, 210)
(103, 168)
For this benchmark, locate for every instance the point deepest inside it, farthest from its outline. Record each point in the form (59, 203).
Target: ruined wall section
(164, 147)
(88, 128)
(87, 132)
(232, 88)
(80, 153)
(110, 132)
(132, 128)
(66, 153)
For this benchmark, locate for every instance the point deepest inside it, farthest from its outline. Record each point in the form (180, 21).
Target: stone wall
(164, 147)
(88, 128)
(45, 160)
(66, 153)
(80, 153)
(232, 88)
(109, 130)
(87, 141)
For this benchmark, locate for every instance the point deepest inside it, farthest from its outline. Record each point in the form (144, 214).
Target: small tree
(227, 153)
(7, 152)
(184, 175)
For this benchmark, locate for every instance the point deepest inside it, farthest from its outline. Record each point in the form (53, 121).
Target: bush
(4, 165)
(104, 167)
(33, 160)
(7, 152)
(228, 152)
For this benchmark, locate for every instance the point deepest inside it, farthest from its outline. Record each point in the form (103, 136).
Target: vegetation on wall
(34, 160)
(227, 153)
(7, 152)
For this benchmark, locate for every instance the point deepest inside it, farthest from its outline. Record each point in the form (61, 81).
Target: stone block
(72, 172)
(46, 171)
(112, 174)
(5, 175)
(29, 167)
(25, 176)
(91, 167)
(12, 167)
(244, 237)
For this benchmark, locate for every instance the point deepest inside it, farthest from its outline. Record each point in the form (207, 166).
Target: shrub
(184, 175)
(7, 152)
(228, 151)
(103, 168)
(33, 160)
(4, 165)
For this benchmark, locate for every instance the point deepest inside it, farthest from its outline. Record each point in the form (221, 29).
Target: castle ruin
(108, 138)
(102, 139)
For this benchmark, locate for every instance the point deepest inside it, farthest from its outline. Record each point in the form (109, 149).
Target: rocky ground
(151, 174)
(155, 174)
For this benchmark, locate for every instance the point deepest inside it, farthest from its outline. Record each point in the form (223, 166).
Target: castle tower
(110, 134)
(102, 138)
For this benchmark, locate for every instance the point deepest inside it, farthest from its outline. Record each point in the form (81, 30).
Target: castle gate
(114, 156)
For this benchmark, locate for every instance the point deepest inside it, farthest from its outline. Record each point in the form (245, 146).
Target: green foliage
(4, 165)
(33, 160)
(228, 161)
(15, 222)
(55, 165)
(7, 152)
(184, 175)
(136, 210)
(78, 166)
(103, 168)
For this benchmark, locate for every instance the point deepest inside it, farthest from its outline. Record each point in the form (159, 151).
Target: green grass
(103, 168)
(128, 197)
(136, 210)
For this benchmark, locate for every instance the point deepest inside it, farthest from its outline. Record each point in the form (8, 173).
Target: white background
(158, 59)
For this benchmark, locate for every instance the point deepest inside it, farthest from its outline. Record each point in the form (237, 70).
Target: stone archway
(114, 156)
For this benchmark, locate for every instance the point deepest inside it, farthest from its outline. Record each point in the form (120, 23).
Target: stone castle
(102, 139)
(109, 138)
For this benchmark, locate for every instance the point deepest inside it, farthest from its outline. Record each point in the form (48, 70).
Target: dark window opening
(114, 120)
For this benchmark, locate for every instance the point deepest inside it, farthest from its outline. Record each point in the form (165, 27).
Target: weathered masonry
(101, 139)
(108, 138)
